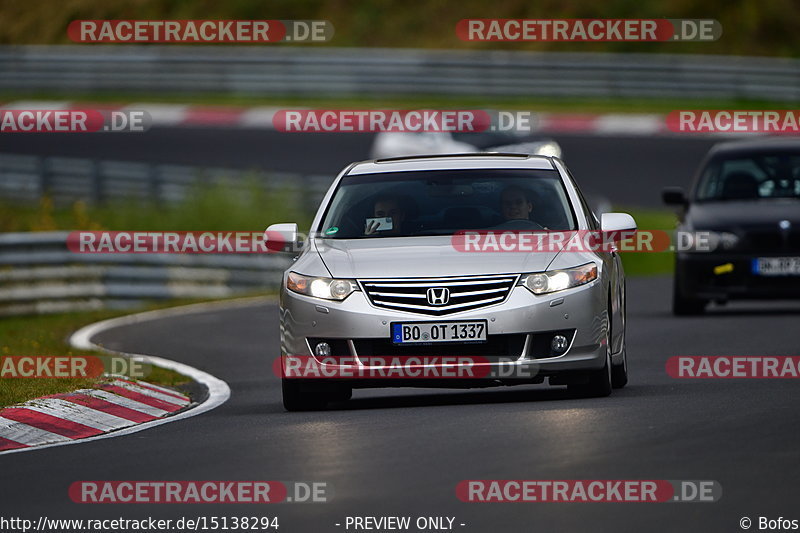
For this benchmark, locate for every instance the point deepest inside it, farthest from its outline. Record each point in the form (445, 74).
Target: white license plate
(776, 266)
(429, 332)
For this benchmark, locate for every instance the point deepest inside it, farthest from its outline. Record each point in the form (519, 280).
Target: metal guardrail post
(43, 168)
(155, 184)
(98, 185)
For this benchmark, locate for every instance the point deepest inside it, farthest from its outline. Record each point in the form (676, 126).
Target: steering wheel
(519, 224)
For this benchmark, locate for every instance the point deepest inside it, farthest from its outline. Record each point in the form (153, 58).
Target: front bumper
(712, 276)
(519, 333)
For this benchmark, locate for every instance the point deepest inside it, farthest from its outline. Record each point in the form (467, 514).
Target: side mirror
(282, 238)
(617, 222)
(673, 196)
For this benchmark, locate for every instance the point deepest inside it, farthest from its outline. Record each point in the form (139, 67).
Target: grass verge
(645, 263)
(48, 335)
(208, 207)
(562, 105)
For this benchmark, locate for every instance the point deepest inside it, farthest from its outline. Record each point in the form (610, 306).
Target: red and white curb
(119, 407)
(85, 413)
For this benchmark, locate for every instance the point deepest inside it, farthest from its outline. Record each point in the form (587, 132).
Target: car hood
(420, 257)
(732, 214)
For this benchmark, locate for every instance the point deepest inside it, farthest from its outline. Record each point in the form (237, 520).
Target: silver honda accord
(417, 272)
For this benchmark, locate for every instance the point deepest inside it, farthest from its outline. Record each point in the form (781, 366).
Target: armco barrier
(307, 71)
(38, 274)
(26, 178)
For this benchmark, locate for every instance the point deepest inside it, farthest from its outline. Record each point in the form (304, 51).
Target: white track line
(218, 390)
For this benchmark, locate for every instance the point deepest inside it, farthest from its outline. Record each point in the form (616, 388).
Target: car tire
(341, 394)
(599, 384)
(682, 306)
(296, 399)
(619, 373)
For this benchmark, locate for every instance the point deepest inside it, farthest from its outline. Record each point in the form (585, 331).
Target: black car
(739, 231)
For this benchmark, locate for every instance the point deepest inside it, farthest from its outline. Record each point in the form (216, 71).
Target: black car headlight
(706, 241)
(325, 288)
(558, 280)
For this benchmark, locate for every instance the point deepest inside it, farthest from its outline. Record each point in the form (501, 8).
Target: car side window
(591, 218)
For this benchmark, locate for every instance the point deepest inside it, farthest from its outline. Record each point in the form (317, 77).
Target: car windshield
(751, 178)
(442, 202)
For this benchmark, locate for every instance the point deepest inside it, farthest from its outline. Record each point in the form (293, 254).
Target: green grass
(645, 263)
(553, 105)
(47, 336)
(749, 27)
(207, 208)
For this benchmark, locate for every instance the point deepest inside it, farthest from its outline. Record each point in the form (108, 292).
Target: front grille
(770, 239)
(463, 293)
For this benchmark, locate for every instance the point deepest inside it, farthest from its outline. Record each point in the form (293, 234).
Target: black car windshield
(442, 202)
(751, 178)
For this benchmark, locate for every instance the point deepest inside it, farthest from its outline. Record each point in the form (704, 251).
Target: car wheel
(598, 386)
(619, 373)
(599, 383)
(682, 306)
(296, 399)
(340, 394)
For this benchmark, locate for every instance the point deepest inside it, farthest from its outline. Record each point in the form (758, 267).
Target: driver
(387, 207)
(515, 204)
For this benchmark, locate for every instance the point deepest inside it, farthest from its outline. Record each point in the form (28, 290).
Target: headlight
(549, 148)
(706, 241)
(723, 240)
(558, 280)
(326, 288)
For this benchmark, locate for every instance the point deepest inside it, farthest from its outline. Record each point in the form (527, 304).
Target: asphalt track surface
(626, 170)
(402, 451)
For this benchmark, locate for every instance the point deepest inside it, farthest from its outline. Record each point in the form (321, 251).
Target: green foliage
(749, 27)
(209, 207)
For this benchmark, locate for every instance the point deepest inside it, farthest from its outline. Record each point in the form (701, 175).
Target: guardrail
(38, 274)
(26, 178)
(307, 71)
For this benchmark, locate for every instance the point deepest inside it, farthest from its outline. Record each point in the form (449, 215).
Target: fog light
(322, 349)
(559, 344)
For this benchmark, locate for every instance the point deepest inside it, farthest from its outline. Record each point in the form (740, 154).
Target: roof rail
(436, 156)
